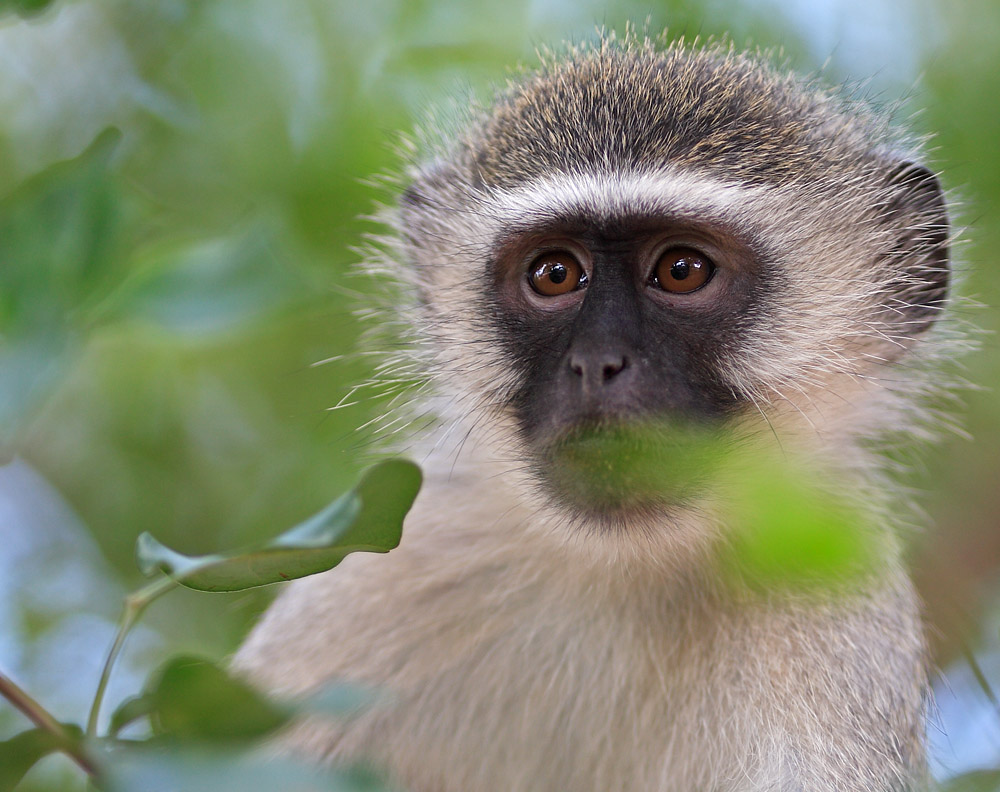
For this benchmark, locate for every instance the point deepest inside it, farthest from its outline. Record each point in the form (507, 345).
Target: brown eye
(555, 273)
(682, 270)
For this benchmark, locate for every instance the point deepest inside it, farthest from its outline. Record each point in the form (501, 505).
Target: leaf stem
(42, 718)
(135, 604)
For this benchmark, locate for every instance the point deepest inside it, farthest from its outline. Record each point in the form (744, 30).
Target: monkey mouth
(615, 467)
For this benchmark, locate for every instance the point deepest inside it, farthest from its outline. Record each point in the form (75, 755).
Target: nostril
(612, 369)
(599, 368)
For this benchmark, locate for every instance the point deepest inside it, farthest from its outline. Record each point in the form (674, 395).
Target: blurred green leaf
(793, 532)
(173, 769)
(337, 700)
(208, 286)
(978, 781)
(369, 518)
(193, 699)
(57, 233)
(29, 367)
(131, 710)
(20, 753)
(24, 7)
(637, 463)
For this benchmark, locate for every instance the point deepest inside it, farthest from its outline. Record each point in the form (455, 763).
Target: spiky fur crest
(614, 659)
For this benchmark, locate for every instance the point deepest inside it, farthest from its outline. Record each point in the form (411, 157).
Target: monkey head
(634, 249)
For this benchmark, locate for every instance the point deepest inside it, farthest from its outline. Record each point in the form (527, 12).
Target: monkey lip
(612, 466)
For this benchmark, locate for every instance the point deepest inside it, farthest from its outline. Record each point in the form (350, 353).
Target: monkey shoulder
(506, 668)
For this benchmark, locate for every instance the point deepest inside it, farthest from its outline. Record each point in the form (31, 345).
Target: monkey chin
(618, 472)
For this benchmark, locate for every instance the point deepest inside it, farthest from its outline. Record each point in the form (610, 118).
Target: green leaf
(369, 518)
(21, 752)
(58, 232)
(129, 711)
(978, 781)
(636, 464)
(193, 699)
(792, 531)
(199, 770)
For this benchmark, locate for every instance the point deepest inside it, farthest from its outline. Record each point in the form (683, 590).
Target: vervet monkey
(633, 247)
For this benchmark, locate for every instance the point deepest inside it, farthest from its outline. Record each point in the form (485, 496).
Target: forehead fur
(629, 106)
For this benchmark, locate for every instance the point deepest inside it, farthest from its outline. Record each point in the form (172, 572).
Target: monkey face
(620, 258)
(609, 321)
(616, 330)
(631, 325)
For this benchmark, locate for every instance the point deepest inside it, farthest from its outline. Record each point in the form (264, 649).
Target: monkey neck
(669, 564)
(673, 557)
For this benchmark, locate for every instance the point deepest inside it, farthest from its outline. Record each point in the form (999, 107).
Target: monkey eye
(682, 270)
(557, 272)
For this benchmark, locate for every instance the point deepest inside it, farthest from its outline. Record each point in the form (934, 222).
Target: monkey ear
(421, 204)
(431, 179)
(918, 213)
(414, 197)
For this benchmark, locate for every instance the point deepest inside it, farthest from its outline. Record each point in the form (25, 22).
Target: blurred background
(180, 187)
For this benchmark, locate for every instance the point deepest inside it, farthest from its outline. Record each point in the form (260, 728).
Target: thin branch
(44, 720)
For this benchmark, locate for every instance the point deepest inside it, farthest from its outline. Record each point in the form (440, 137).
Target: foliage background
(164, 298)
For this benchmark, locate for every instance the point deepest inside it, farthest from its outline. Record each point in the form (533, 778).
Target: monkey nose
(599, 368)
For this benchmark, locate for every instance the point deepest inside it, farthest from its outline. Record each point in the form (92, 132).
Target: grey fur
(529, 650)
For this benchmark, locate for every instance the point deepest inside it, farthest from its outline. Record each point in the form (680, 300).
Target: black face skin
(620, 349)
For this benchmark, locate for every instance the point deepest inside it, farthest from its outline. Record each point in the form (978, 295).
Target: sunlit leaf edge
(369, 519)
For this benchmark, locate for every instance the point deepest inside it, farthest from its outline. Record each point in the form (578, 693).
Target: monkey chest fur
(510, 666)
